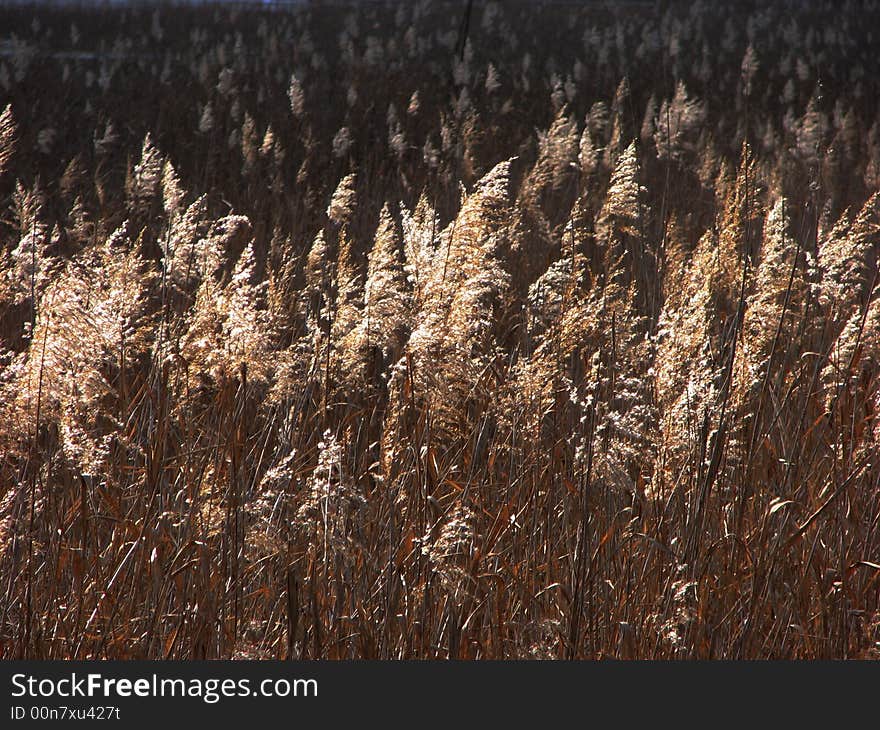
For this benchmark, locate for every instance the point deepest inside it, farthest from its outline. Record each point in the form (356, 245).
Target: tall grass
(327, 334)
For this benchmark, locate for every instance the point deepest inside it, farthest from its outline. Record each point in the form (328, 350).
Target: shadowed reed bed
(328, 332)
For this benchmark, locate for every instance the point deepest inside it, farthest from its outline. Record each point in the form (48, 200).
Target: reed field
(378, 330)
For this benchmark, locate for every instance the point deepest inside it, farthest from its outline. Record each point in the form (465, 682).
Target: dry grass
(324, 336)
